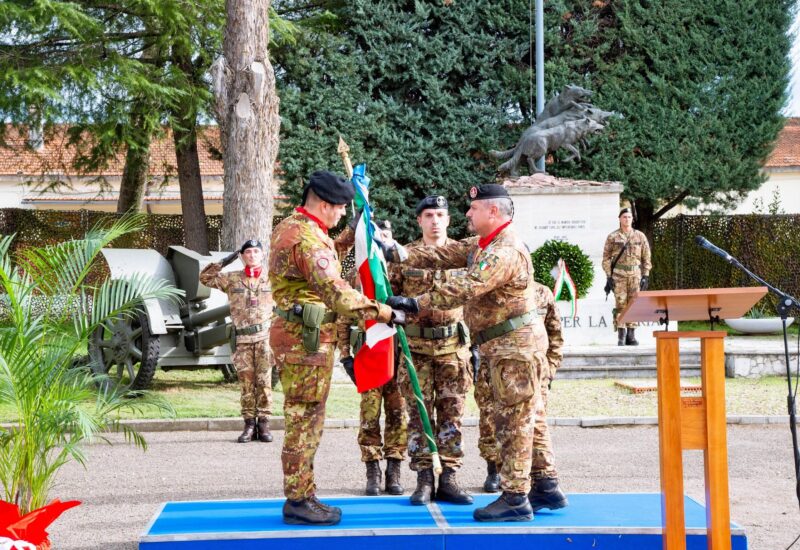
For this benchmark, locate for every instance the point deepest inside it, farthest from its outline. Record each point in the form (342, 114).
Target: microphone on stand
(705, 243)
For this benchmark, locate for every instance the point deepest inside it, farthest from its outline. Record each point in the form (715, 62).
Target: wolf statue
(566, 121)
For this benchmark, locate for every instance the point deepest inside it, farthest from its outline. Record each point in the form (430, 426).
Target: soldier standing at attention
(309, 292)
(373, 449)
(500, 304)
(439, 344)
(545, 492)
(251, 308)
(626, 261)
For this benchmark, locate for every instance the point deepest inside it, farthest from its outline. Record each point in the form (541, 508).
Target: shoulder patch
(323, 263)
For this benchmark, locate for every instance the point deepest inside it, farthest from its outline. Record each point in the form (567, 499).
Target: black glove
(609, 286)
(644, 283)
(347, 364)
(475, 361)
(398, 317)
(392, 250)
(409, 305)
(230, 258)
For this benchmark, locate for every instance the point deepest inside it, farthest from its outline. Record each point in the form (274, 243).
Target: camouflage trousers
(543, 461)
(305, 389)
(444, 381)
(395, 424)
(253, 364)
(625, 289)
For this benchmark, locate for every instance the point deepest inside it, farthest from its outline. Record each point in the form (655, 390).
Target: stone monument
(582, 213)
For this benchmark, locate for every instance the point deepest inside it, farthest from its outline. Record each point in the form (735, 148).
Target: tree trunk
(645, 217)
(247, 112)
(135, 172)
(192, 206)
(184, 134)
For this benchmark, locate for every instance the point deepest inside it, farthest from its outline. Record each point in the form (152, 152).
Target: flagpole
(344, 151)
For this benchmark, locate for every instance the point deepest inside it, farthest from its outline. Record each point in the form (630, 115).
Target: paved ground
(122, 487)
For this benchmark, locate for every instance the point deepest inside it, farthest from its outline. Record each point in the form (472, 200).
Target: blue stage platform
(592, 521)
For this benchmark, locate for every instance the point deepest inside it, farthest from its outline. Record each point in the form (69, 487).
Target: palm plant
(51, 309)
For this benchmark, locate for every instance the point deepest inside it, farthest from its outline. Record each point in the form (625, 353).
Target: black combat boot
(373, 478)
(545, 493)
(393, 486)
(263, 430)
(424, 491)
(310, 511)
(630, 340)
(492, 483)
(449, 491)
(620, 336)
(249, 431)
(509, 507)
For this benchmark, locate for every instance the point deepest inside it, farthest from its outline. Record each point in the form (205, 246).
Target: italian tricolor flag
(374, 362)
(564, 281)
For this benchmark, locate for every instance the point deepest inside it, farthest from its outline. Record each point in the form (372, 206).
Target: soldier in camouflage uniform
(440, 353)
(545, 492)
(373, 448)
(251, 308)
(500, 307)
(630, 273)
(309, 292)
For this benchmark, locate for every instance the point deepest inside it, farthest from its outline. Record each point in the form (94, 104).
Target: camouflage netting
(768, 245)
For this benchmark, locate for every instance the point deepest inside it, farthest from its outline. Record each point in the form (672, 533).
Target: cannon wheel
(125, 350)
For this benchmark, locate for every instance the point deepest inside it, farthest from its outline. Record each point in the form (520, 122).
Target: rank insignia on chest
(253, 301)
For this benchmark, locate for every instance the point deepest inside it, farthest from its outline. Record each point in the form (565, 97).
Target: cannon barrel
(197, 319)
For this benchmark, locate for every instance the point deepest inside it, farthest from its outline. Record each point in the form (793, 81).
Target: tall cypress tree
(422, 91)
(700, 85)
(419, 90)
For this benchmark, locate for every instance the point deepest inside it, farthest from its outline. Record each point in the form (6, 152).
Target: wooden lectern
(692, 422)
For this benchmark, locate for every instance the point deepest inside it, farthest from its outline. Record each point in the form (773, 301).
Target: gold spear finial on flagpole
(344, 152)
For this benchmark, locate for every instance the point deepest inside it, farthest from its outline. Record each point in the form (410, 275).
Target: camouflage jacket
(637, 254)
(304, 268)
(497, 285)
(412, 281)
(547, 326)
(250, 299)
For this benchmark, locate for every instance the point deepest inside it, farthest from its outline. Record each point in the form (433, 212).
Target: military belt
(431, 333)
(247, 331)
(626, 268)
(505, 327)
(293, 317)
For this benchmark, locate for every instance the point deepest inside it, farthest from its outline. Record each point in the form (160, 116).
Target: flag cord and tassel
(343, 151)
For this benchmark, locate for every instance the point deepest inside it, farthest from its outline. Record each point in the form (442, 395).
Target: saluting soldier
(500, 307)
(251, 308)
(438, 341)
(305, 275)
(626, 261)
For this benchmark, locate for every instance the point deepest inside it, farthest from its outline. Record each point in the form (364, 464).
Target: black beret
(252, 243)
(488, 191)
(329, 187)
(624, 211)
(435, 202)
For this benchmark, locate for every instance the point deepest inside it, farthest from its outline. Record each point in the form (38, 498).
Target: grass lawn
(204, 394)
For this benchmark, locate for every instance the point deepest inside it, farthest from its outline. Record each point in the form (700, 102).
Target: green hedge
(768, 245)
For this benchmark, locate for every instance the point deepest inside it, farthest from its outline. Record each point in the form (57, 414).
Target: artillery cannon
(194, 334)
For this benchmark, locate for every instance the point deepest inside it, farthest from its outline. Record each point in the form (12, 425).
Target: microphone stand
(785, 303)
